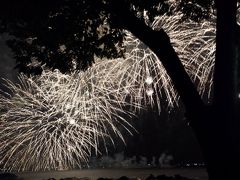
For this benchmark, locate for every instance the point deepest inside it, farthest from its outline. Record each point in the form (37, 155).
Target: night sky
(7, 62)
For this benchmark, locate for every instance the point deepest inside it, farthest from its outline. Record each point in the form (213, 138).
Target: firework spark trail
(55, 120)
(195, 45)
(143, 72)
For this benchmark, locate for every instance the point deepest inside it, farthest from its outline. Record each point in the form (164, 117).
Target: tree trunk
(224, 163)
(214, 126)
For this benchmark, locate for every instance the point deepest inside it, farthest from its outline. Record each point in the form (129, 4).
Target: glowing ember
(149, 80)
(149, 92)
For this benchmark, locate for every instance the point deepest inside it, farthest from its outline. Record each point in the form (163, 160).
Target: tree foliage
(67, 34)
(61, 34)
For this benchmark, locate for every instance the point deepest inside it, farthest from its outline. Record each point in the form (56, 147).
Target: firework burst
(56, 121)
(142, 73)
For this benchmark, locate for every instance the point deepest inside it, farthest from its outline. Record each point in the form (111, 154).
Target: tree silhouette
(67, 34)
(216, 126)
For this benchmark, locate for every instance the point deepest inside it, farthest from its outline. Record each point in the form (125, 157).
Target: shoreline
(93, 174)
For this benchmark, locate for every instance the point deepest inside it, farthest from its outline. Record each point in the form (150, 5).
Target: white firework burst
(142, 73)
(195, 45)
(57, 120)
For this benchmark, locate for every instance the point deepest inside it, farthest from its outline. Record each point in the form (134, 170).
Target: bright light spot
(59, 120)
(62, 48)
(239, 95)
(149, 80)
(56, 71)
(72, 121)
(87, 93)
(68, 106)
(149, 92)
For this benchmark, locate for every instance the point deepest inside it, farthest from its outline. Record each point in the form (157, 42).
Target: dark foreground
(137, 173)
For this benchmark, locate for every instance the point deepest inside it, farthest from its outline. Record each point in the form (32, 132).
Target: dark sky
(7, 62)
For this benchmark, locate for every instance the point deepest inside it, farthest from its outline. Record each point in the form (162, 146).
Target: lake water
(93, 174)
